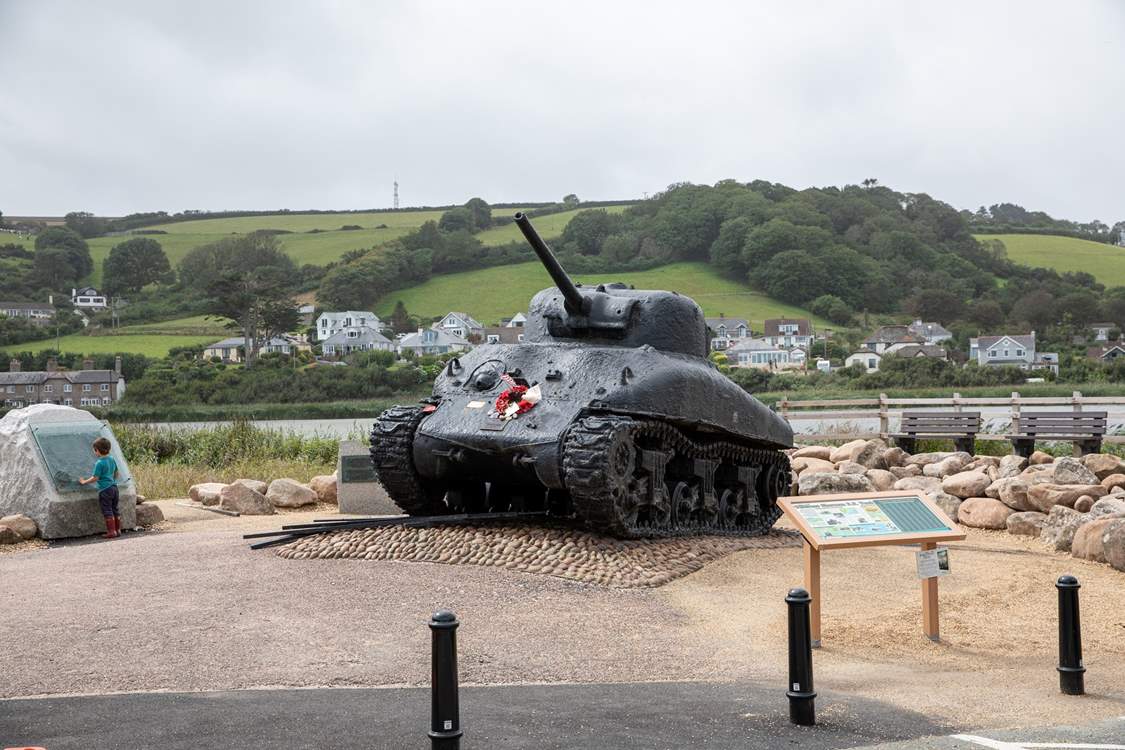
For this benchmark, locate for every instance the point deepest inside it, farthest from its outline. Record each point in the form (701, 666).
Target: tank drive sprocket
(392, 453)
(641, 477)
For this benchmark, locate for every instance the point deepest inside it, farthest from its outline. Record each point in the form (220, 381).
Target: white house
(762, 355)
(1101, 330)
(32, 312)
(432, 341)
(356, 339)
(331, 323)
(460, 324)
(516, 321)
(88, 298)
(726, 332)
(789, 332)
(867, 358)
(888, 338)
(1012, 351)
(233, 350)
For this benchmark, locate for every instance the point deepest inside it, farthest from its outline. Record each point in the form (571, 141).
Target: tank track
(392, 454)
(606, 484)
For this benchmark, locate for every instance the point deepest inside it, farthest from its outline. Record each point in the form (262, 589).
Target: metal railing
(885, 408)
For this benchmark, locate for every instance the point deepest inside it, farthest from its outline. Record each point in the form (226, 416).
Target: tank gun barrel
(576, 304)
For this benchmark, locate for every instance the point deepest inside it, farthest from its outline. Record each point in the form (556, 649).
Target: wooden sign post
(869, 519)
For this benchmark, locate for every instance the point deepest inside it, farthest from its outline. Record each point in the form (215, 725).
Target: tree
(935, 304)
(832, 307)
(401, 321)
(53, 268)
(588, 230)
(1079, 308)
(481, 213)
(726, 250)
(78, 252)
(570, 200)
(1036, 308)
(86, 224)
(134, 264)
(455, 219)
(792, 276)
(986, 313)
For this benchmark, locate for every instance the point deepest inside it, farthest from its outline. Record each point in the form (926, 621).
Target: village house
(461, 325)
(886, 339)
(1101, 330)
(868, 359)
(761, 354)
(85, 387)
(32, 312)
(516, 321)
(331, 323)
(433, 341)
(233, 350)
(88, 298)
(725, 332)
(1012, 351)
(930, 333)
(1105, 353)
(503, 334)
(789, 332)
(305, 314)
(356, 339)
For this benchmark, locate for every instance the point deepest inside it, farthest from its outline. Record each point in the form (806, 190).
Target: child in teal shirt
(105, 474)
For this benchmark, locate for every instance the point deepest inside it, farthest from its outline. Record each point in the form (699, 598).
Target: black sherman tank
(636, 432)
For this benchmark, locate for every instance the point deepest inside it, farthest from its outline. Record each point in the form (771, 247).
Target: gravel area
(562, 552)
(197, 610)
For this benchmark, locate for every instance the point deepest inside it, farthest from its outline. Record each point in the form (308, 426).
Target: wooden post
(1076, 399)
(812, 585)
(956, 402)
(884, 426)
(1015, 412)
(930, 602)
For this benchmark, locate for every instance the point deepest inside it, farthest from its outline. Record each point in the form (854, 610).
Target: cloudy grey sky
(116, 107)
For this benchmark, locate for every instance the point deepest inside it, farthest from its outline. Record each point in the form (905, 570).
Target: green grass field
(1105, 262)
(549, 226)
(300, 222)
(196, 325)
(509, 288)
(150, 345)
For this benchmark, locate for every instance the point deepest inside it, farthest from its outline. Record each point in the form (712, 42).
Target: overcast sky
(116, 107)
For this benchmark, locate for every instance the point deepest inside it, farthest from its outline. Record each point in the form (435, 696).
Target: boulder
(21, 524)
(871, 456)
(1062, 522)
(1103, 464)
(895, 457)
(966, 484)
(982, 463)
(823, 452)
(851, 467)
(906, 471)
(1108, 506)
(289, 493)
(1043, 497)
(947, 466)
(1026, 523)
(822, 483)
(984, 513)
(149, 514)
(1070, 470)
(1113, 544)
(1113, 480)
(1087, 543)
(881, 479)
(207, 493)
(1010, 466)
(922, 459)
(1013, 493)
(241, 499)
(8, 535)
(847, 451)
(255, 484)
(1039, 457)
(325, 487)
(928, 485)
(949, 503)
(801, 465)
(1084, 504)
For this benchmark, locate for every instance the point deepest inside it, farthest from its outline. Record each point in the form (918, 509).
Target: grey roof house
(33, 312)
(460, 324)
(930, 333)
(726, 331)
(1012, 351)
(85, 387)
(433, 341)
(355, 339)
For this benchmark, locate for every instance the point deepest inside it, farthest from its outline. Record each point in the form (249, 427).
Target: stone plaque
(358, 491)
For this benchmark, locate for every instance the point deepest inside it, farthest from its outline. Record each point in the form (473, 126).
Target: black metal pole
(445, 711)
(1071, 671)
(802, 710)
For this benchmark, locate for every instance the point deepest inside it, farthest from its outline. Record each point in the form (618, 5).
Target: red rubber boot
(110, 527)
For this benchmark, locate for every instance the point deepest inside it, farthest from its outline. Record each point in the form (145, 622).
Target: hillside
(1105, 262)
(150, 339)
(510, 288)
(549, 226)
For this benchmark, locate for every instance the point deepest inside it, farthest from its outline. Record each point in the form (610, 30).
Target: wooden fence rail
(886, 408)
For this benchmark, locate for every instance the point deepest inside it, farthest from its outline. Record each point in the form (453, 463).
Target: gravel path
(197, 610)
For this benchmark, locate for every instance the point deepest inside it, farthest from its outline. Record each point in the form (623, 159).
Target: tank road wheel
(731, 504)
(392, 455)
(685, 502)
(773, 482)
(599, 465)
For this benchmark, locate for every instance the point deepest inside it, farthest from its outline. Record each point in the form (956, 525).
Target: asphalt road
(577, 717)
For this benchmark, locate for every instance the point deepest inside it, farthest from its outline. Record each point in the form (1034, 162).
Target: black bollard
(1071, 672)
(445, 711)
(802, 710)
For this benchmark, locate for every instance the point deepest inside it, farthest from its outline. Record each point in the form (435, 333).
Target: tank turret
(622, 421)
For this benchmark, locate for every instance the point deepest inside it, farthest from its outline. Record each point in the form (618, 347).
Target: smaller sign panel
(869, 518)
(356, 469)
(933, 563)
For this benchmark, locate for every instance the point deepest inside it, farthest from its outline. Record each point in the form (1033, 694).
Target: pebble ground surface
(192, 608)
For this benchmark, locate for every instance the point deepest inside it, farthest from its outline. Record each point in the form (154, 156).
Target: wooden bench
(959, 426)
(1083, 428)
